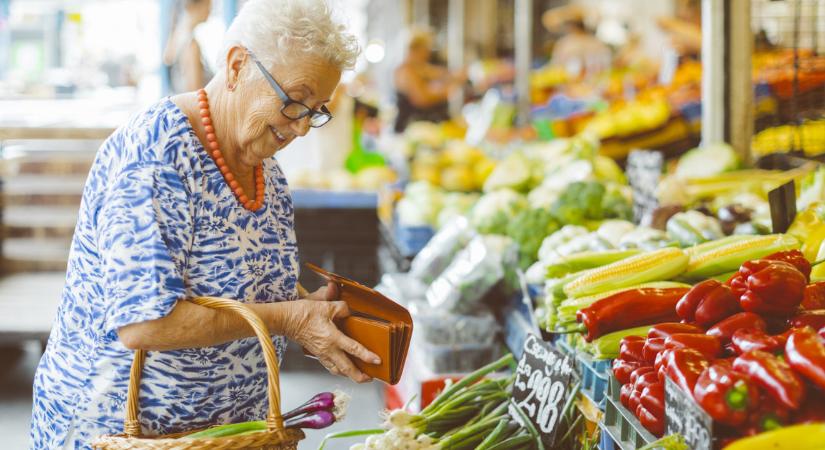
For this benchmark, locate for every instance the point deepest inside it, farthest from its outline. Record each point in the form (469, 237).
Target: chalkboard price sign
(644, 168)
(687, 418)
(542, 386)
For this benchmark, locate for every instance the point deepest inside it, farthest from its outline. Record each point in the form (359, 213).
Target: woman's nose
(301, 126)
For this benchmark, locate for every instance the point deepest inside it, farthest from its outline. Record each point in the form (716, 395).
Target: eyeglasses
(291, 109)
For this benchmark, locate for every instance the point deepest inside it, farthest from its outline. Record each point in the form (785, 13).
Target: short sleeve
(144, 234)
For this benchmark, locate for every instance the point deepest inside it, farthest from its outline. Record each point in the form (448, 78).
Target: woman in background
(188, 69)
(422, 88)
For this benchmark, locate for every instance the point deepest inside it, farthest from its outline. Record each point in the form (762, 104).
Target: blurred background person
(578, 50)
(188, 68)
(422, 88)
(684, 29)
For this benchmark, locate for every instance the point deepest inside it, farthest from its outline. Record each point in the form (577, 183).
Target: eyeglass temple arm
(269, 78)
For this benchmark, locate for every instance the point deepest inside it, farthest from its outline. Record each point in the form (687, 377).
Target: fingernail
(376, 361)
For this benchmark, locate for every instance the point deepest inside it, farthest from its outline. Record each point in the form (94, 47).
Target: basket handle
(274, 421)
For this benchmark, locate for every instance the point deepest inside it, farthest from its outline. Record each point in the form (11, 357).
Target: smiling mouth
(280, 139)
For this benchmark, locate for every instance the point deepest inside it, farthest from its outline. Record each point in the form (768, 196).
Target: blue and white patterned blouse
(157, 224)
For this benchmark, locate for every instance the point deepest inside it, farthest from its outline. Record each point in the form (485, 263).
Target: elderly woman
(186, 200)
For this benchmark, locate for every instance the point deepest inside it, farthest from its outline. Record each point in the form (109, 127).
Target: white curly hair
(277, 29)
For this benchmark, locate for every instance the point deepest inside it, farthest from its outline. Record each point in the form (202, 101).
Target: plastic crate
(594, 374)
(620, 429)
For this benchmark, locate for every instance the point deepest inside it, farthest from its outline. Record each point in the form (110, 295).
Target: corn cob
(587, 260)
(697, 250)
(663, 264)
(729, 257)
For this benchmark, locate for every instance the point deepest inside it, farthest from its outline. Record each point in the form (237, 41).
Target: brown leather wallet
(378, 323)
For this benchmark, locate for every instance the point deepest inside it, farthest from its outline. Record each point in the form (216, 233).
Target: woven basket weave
(275, 438)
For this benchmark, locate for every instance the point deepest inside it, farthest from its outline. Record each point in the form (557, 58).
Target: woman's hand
(310, 322)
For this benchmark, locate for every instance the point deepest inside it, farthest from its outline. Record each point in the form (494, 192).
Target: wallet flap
(364, 299)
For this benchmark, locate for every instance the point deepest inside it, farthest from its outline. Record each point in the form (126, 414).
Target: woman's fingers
(347, 368)
(331, 293)
(340, 310)
(357, 350)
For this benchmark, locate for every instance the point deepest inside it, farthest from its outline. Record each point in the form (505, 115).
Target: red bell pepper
(684, 367)
(774, 288)
(654, 424)
(686, 308)
(652, 348)
(661, 364)
(794, 258)
(747, 339)
(822, 332)
(805, 353)
(622, 369)
(645, 380)
(624, 394)
(812, 410)
(639, 372)
(707, 303)
(814, 297)
(630, 309)
(725, 395)
(653, 398)
(769, 415)
(773, 375)
(631, 348)
(813, 318)
(738, 284)
(710, 346)
(725, 329)
(664, 330)
(635, 399)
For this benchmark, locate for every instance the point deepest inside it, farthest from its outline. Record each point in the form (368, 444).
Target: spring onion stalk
(347, 434)
(321, 411)
(231, 429)
(519, 441)
(469, 380)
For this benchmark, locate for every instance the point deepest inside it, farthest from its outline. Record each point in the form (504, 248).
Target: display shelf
(594, 374)
(311, 198)
(620, 428)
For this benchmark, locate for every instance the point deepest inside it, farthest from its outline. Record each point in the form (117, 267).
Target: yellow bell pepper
(797, 437)
(809, 228)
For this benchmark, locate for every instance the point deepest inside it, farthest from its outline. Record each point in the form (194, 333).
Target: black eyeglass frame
(324, 114)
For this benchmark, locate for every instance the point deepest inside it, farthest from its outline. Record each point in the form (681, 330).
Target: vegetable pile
(750, 350)
(473, 413)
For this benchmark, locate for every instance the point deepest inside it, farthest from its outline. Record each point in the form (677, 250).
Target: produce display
(471, 414)
(748, 350)
(700, 291)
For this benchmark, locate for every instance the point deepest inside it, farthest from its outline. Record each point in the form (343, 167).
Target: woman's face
(262, 129)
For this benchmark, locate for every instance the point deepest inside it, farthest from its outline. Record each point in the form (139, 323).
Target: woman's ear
(235, 60)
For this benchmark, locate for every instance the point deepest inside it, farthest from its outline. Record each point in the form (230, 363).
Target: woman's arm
(192, 66)
(308, 322)
(420, 92)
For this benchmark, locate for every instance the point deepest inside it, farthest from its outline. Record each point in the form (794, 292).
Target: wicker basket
(276, 438)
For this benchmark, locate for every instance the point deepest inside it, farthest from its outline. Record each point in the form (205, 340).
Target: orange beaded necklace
(215, 151)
